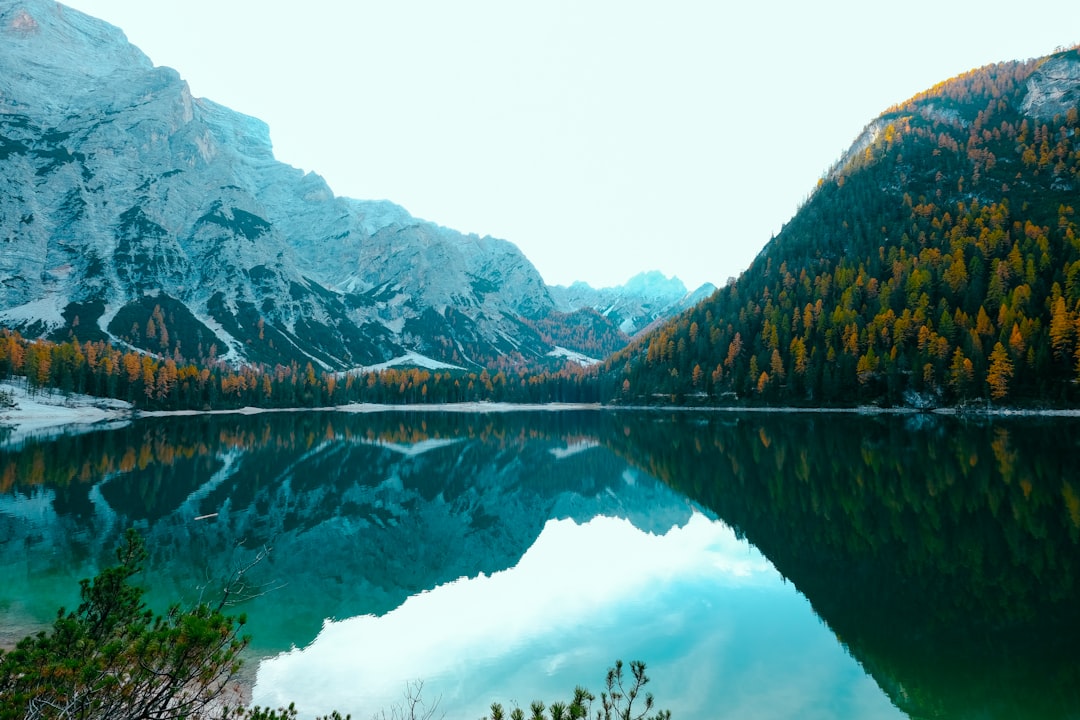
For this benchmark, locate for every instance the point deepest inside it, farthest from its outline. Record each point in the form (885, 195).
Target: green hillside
(937, 263)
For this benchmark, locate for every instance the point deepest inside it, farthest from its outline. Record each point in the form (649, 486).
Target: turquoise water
(722, 632)
(764, 566)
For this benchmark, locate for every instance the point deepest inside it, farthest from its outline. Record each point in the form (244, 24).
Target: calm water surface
(764, 566)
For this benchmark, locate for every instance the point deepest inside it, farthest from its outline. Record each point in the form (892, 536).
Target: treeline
(939, 264)
(170, 456)
(585, 331)
(162, 383)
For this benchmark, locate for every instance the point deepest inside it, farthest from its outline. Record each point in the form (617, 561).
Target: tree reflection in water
(942, 552)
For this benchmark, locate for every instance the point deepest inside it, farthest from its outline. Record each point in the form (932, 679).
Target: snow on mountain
(409, 360)
(132, 212)
(24, 414)
(573, 356)
(120, 192)
(413, 449)
(644, 299)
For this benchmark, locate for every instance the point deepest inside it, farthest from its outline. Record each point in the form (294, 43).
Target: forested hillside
(167, 383)
(936, 263)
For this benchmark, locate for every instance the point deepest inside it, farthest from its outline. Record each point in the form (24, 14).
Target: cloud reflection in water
(581, 597)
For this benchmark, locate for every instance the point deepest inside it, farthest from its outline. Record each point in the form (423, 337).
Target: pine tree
(1000, 372)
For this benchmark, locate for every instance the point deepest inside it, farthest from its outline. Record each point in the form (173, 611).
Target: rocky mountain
(936, 264)
(644, 299)
(589, 324)
(134, 212)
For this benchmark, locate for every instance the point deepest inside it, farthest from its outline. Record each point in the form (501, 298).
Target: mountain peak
(127, 205)
(63, 53)
(645, 298)
(654, 283)
(124, 200)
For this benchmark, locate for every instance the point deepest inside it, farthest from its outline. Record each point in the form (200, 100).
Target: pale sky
(603, 138)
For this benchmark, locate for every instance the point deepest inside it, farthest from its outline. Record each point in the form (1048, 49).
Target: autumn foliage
(155, 382)
(938, 263)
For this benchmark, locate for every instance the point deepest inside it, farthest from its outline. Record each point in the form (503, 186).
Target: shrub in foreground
(114, 659)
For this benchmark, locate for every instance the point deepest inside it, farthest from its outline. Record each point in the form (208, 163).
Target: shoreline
(45, 411)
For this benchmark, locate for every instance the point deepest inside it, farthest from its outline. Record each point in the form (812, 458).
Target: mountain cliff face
(936, 264)
(1053, 89)
(131, 211)
(121, 193)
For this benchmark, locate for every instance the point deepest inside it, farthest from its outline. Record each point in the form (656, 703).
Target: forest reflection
(942, 552)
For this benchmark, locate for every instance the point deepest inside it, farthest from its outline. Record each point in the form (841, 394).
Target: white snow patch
(60, 272)
(573, 449)
(416, 449)
(48, 409)
(579, 358)
(395, 326)
(232, 355)
(106, 318)
(49, 310)
(410, 359)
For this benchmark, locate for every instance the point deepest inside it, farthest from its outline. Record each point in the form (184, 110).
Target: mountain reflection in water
(581, 595)
(522, 553)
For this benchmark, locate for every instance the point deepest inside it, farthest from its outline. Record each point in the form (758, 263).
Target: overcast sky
(603, 138)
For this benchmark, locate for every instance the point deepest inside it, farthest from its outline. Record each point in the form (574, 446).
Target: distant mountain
(937, 263)
(644, 299)
(597, 322)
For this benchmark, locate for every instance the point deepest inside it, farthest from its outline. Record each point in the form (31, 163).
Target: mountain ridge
(633, 306)
(130, 206)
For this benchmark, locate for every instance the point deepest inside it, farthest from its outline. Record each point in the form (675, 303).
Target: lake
(764, 565)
